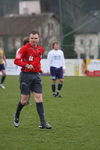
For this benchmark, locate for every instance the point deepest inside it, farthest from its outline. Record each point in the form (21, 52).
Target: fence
(74, 67)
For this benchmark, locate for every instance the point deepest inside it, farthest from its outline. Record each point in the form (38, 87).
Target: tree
(68, 43)
(72, 12)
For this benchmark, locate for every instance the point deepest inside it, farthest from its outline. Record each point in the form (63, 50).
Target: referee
(29, 57)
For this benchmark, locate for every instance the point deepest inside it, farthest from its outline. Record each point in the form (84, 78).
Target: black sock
(40, 110)
(53, 87)
(18, 110)
(3, 78)
(60, 86)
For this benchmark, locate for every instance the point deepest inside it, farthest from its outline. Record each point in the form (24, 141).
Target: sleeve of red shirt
(19, 56)
(18, 59)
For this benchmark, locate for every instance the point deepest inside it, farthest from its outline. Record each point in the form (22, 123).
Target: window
(50, 26)
(82, 55)
(25, 11)
(91, 56)
(81, 42)
(90, 43)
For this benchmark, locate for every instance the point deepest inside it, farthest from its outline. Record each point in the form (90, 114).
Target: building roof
(90, 23)
(22, 25)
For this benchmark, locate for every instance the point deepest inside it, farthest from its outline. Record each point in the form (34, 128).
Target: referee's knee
(24, 99)
(38, 97)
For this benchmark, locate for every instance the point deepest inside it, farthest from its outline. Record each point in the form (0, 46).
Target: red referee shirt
(29, 54)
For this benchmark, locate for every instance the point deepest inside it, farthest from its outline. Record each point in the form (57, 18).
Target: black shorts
(56, 73)
(30, 82)
(2, 67)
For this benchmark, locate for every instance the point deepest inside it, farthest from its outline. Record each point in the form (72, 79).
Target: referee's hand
(29, 66)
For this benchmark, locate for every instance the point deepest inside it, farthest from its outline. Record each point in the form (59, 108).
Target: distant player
(84, 67)
(56, 67)
(25, 41)
(2, 67)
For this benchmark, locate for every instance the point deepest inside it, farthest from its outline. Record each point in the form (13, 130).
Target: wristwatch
(27, 66)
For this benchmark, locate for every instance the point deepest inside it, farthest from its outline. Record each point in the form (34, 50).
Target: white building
(87, 38)
(29, 7)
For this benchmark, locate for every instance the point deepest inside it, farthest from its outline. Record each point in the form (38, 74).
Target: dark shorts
(56, 73)
(30, 82)
(2, 67)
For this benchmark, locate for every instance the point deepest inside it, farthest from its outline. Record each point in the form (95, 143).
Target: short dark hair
(56, 42)
(34, 32)
(25, 40)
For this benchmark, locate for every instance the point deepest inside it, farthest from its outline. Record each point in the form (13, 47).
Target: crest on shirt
(31, 58)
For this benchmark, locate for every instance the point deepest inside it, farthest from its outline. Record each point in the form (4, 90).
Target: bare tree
(72, 12)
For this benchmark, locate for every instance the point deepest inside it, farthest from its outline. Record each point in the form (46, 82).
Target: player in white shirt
(56, 67)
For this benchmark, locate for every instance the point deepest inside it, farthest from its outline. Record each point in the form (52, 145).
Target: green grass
(75, 117)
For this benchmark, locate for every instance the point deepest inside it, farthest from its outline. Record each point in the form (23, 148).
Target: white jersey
(56, 59)
(17, 51)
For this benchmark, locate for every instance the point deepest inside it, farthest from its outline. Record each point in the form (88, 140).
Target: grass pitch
(75, 117)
